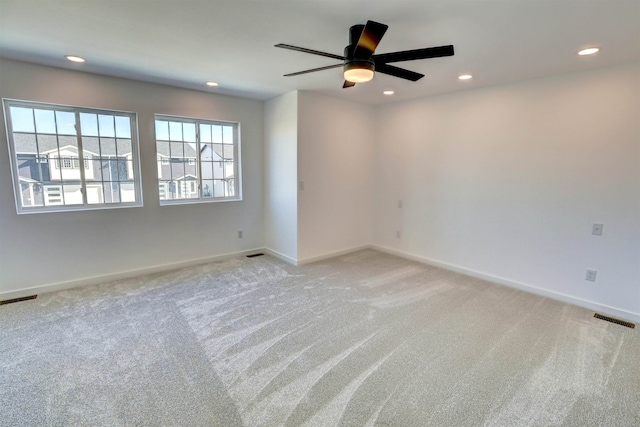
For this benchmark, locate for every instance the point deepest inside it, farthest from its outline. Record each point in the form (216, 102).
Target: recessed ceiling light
(388, 92)
(465, 77)
(589, 51)
(74, 58)
(212, 84)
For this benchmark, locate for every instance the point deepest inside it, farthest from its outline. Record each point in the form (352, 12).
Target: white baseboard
(117, 276)
(281, 256)
(330, 255)
(591, 305)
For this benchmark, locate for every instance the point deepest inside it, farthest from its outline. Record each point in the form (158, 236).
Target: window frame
(237, 162)
(136, 176)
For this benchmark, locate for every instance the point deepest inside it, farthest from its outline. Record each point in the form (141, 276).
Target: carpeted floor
(366, 339)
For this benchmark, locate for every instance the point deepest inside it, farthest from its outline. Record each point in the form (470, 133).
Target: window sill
(198, 201)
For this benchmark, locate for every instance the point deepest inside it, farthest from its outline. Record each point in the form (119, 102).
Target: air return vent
(612, 320)
(254, 255)
(9, 301)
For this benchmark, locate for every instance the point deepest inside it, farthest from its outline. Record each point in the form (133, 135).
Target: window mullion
(83, 182)
(55, 123)
(198, 168)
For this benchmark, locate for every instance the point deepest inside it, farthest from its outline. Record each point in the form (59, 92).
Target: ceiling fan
(360, 63)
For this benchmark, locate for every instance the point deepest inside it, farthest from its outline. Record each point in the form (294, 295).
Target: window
(198, 160)
(72, 158)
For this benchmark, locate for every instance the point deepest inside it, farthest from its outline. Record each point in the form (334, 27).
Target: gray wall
(505, 182)
(45, 249)
(281, 174)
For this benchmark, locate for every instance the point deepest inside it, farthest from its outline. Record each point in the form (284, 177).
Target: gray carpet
(366, 339)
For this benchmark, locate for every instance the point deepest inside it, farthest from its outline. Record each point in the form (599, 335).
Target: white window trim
(135, 147)
(237, 161)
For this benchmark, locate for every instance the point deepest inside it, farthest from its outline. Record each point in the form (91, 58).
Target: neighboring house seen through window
(197, 160)
(72, 158)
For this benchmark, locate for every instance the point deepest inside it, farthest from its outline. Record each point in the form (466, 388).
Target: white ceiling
(187, 42)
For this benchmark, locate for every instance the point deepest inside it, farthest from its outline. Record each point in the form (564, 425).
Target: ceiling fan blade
(347, 84)
(328, 67)
(314, 52)
(369, 39)
(398, 72)
(410, 55)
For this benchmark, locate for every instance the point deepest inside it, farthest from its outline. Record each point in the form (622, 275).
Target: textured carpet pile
(366, 339)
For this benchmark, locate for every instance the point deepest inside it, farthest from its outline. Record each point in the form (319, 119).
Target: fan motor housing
(356, 62)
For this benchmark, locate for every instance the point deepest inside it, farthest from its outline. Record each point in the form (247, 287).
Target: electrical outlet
(400, 204)
(240, 234)
(596, 230)
(591, 275)
(398, 235)
(301, 186)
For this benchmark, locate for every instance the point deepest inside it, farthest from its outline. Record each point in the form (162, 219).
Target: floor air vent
(254, 255)
(613, 320)
(9, 301)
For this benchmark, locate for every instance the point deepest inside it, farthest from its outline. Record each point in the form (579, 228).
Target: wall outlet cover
(596, 230)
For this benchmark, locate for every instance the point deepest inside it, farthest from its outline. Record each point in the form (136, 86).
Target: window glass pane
(45, 121)
(66, 122)
(162, 148)
(123, 127)
(127, 192)
(227, 134)
(124, 147)
(175, 131)
(205, 133)
(95, 193)
(107, 147)
(206, 170)
(206, 152)
(163, 190)
(195, 165)
(106, 126)
(31, 194)
(121, 168)
(89, 124)
(218, 188)
(216, 134)
(217, 153)
(190, 151)
(189, 130)
(177, 150)
(22, 119)
(229, 188)
(191, 169)
(207, 188)
(111, 192)
(218, 170)
(52, 195)
(228, 169)
(72, 194)
(27, 167)
(228, 152)
(47, 165)
(94, 170)
(25, 143)
(162, 130)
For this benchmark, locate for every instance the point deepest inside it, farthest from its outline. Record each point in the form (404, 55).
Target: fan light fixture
(359, 61)
(589, 51)
(74, 58)
(358, 72)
